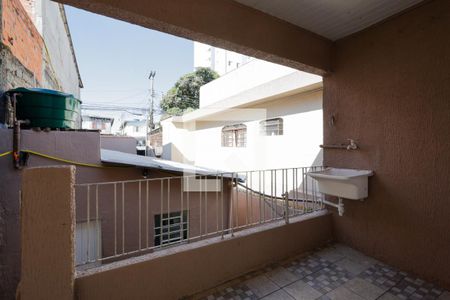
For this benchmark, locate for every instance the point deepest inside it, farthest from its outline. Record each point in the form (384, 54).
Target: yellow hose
(5, 153)
(61, 159)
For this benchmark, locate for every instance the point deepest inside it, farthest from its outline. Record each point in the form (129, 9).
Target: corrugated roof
(122, 158)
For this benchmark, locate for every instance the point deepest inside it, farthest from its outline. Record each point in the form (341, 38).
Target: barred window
(234, 136)
(271, 126)
(171, 228)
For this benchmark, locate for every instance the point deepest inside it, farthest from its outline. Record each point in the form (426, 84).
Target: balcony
(248, 235)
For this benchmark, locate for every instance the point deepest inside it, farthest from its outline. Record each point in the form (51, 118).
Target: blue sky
(116, 57)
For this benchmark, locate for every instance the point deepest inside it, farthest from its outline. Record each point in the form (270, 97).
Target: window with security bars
(234, 136)
(171, 228)
(271, 127)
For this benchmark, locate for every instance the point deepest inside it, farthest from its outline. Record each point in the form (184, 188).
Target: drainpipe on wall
(16, 154)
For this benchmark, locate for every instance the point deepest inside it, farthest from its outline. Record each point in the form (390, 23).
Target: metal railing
(120, 219)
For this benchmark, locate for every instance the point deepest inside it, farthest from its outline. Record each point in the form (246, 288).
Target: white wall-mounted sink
(343, 183)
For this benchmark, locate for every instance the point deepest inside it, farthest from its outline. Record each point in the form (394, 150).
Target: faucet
(352, 145)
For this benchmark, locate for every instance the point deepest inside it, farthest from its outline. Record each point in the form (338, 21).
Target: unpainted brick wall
(21, 37)
(12, 73)
(156, 139)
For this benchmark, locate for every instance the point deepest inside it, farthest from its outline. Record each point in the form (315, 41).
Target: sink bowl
(343, 183)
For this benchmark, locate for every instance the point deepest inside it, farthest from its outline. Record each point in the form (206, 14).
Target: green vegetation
(184, 96)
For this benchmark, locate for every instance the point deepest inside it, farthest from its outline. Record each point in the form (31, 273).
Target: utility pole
(150, 121)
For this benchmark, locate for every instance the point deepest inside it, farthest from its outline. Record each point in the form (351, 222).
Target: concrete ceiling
(333, 19)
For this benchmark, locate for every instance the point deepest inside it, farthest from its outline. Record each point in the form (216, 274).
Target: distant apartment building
(136, 129)
(103, 124)
(36, 48)
(220, 60)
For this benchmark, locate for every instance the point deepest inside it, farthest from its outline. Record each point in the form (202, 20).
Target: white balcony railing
(120, 219)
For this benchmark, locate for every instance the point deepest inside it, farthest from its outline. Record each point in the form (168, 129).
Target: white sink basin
(343, 183)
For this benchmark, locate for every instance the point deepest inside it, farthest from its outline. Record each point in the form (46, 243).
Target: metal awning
(122, 158)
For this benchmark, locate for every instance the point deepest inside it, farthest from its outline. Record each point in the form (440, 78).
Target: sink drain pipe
(339, 205)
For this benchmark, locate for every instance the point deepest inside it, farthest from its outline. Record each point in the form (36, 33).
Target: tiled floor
(335, 272)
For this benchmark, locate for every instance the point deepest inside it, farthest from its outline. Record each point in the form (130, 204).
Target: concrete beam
(47, 226)
(226, 24)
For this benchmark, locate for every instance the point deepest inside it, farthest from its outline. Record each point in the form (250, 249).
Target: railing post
(232, 204)
(287, 207)
(47, 233)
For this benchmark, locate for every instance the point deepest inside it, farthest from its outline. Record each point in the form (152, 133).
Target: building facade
(261, 116)
(136, 129)
(103, 124)
(220, 60)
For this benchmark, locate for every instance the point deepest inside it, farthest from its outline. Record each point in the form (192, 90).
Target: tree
(185, 94)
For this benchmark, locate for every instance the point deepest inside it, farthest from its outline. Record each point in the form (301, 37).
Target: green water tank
(48, 108)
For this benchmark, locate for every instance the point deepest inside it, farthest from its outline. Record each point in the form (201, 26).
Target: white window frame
(234, 136)
(271, 127)
(88, 236)
(171, 233)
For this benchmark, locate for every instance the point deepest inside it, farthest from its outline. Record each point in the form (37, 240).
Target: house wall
(200, 142)
(77, 146)
(389, 91)
(61, 63)
(251, 75)
(136, 130)
(35, 47)
(118, 143)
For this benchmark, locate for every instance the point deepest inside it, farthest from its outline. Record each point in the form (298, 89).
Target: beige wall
(172, 276)
(47, 233)
(390, 91)
(118, 143)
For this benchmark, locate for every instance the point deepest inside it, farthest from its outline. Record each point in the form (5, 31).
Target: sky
(115, 59)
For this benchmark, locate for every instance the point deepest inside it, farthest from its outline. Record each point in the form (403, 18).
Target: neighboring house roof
(116, 157)
(69, 36)
(135, 123)
(99, 118)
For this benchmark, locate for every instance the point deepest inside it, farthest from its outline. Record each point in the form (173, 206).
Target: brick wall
(21, 37)
(12, 72)
(156, 138)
